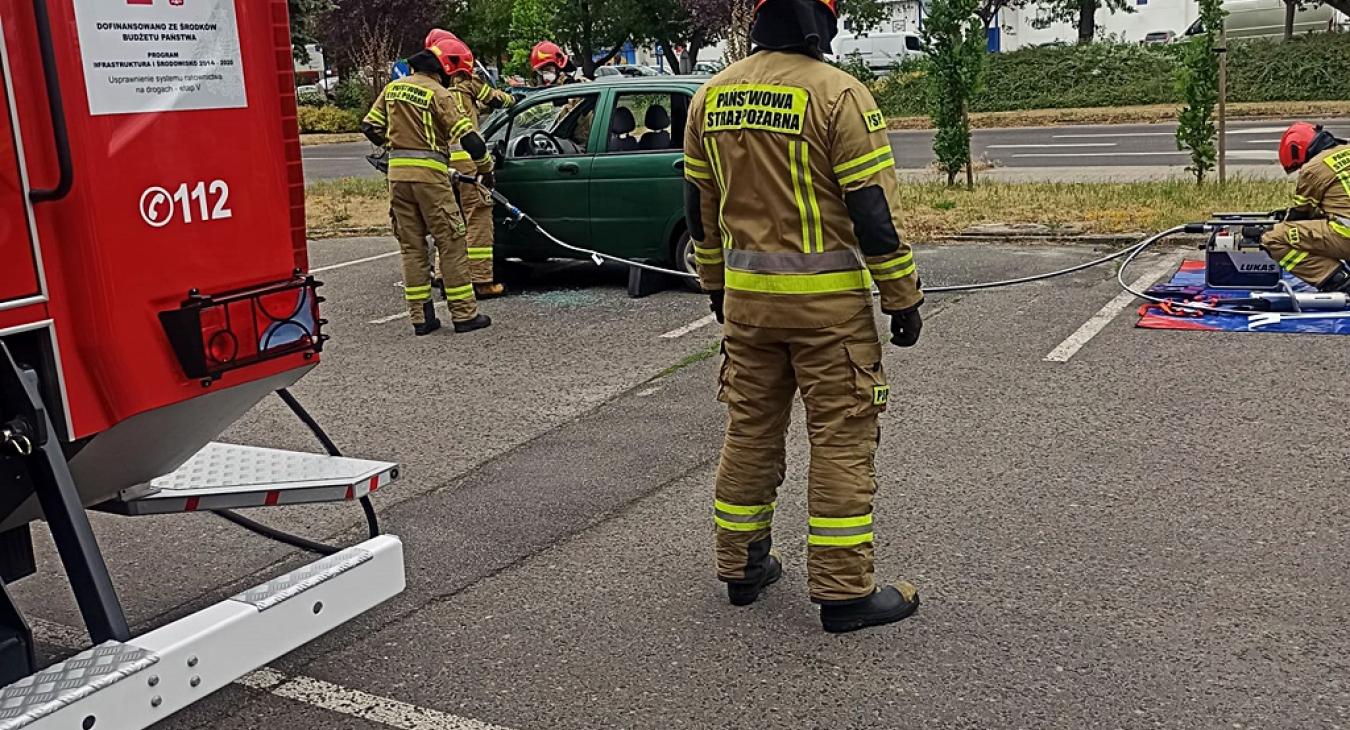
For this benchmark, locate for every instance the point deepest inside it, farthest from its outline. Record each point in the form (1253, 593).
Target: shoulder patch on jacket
(875, 120)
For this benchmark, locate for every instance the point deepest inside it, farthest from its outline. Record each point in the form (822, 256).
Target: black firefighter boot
(430, 323)
(762, 569)
(477, 323)
(885, 606)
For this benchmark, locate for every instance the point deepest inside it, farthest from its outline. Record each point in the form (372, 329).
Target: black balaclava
(427, 63)
(804, 26)
(1322, 142)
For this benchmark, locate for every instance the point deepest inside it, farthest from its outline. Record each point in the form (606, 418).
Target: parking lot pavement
(1144, 535)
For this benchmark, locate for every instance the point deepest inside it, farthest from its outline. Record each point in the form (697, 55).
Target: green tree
(304, 15)
(594, 31)
(530, 22)
(954, 36)
(1198, 84)
(484, 25)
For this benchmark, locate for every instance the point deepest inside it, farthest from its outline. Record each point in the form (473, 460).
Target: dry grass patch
(317, 138)
(332, 206)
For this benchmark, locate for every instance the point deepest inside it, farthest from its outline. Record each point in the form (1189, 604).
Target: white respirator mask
(549, 76)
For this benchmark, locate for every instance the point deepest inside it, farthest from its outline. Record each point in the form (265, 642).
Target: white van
(880, 51)
(1265, 19)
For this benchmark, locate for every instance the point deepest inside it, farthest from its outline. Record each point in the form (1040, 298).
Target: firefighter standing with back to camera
(1313, 241)
(417, 119)
(474, 96)
(791, 199)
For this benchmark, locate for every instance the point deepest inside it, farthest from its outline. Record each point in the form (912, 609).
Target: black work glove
(1278, 215)
(488, 180)
(717, 298)
(906, 325)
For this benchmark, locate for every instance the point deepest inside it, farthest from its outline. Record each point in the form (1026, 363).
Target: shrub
(329, 119)
(854, 65)
(310, 98)
(353, 94)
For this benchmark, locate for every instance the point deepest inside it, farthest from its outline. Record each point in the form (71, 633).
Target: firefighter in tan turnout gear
(475, 96)
(791, 200)
(1313, 242)
(418, 120)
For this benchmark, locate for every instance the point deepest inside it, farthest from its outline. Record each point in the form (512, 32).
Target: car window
(647, 121)
(912, 43)
(549, 127)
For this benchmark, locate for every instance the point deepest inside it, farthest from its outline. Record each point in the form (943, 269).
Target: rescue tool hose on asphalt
(271, 533)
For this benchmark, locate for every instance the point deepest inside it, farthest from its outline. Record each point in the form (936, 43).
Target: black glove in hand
(1278, 215)
(717, 298)
(487, 180)
(906, 325)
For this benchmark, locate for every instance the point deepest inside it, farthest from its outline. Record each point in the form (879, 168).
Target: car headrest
(622, 122)
(657, 117)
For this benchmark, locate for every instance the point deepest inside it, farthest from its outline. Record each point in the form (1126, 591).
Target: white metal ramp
(231, 476)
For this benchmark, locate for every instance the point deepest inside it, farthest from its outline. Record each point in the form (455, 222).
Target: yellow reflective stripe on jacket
(707, 256)
(1292, 259)
(375, 116)
(429, 129)
(715, 157)
(887, 163)
(484, 92)
(840, 531)
(742, 518)
(696, 168)
(417, 293)
(461, 128)
(694, 162)
(1341, 226)
(459, 292)
(1303, 200)
(844, 168)
(410, 93)
(833, 282)
(430, 164)
(479, 253)
(799, 162)
(896, 268)
(460, 156)
(690, 172)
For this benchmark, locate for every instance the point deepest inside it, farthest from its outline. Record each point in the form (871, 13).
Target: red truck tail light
(213, 334)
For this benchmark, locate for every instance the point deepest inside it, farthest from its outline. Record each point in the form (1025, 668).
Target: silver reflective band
(787, 262)
(419, 155)
(765, 516)
(841, 531)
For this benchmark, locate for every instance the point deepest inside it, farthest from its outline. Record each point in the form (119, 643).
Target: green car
(601, 166)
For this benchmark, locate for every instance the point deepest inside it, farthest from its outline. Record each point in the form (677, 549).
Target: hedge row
(329, 119)
(1310, 68)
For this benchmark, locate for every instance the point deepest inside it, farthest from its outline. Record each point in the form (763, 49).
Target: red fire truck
(154, 286)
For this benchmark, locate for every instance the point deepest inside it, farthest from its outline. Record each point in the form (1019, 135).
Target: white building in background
(1015, 29)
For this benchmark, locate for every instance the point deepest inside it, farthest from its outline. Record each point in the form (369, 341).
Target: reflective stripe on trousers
(742, 518)
(840, 531)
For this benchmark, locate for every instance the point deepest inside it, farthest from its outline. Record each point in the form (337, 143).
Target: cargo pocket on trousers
(869, 377)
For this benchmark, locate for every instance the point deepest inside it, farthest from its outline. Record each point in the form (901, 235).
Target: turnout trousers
(422, 208)
(838, 372)
(477, 208)
(1312, 250)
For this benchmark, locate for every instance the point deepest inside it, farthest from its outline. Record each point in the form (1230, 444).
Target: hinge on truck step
(39, 695)
(230, 476)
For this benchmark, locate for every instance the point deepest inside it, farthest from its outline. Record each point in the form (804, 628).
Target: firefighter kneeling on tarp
(418, 120)
(792, 203)
(1313, 241)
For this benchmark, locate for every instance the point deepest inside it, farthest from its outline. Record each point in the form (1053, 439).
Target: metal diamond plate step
(39, 695)
(230, 476)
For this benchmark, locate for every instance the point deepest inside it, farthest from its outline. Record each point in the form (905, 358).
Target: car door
(550, 183)
(18, 251)
(637, 177)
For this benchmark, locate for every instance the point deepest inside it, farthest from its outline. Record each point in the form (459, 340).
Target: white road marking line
(354, 262)
(1253, 154)
(439, 304)
(1099, 154)
(306, 690)
(1113, 136)
(1091, 328)
(1066, 145)
(696, 324)
(1260, 141)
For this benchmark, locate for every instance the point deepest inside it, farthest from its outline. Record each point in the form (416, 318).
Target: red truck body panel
(206, 198)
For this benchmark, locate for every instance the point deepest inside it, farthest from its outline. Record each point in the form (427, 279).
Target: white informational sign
(160, 55)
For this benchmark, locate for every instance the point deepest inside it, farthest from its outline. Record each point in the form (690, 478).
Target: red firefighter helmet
(546, 52)
(832, 5)
(438, 34)
(1294, 145)
(455, 57)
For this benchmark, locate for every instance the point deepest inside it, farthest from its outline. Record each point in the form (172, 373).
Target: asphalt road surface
(1251, 144)
(1149, 533)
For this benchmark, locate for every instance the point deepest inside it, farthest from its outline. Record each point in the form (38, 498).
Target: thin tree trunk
(1087, 20)
(970, 165)
(1290, 9)
(668, 52)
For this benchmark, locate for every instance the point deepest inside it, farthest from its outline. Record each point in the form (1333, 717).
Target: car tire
(683, 260)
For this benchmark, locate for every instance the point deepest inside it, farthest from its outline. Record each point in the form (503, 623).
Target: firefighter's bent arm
(865, 168)
(1309, 190)
(702, 201)
(486, 97)
(375, 125)
(461, 130)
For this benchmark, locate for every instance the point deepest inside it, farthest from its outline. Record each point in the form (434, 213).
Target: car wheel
(684, 261)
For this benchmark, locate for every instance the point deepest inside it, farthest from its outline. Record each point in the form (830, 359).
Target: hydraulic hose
(296, 541)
